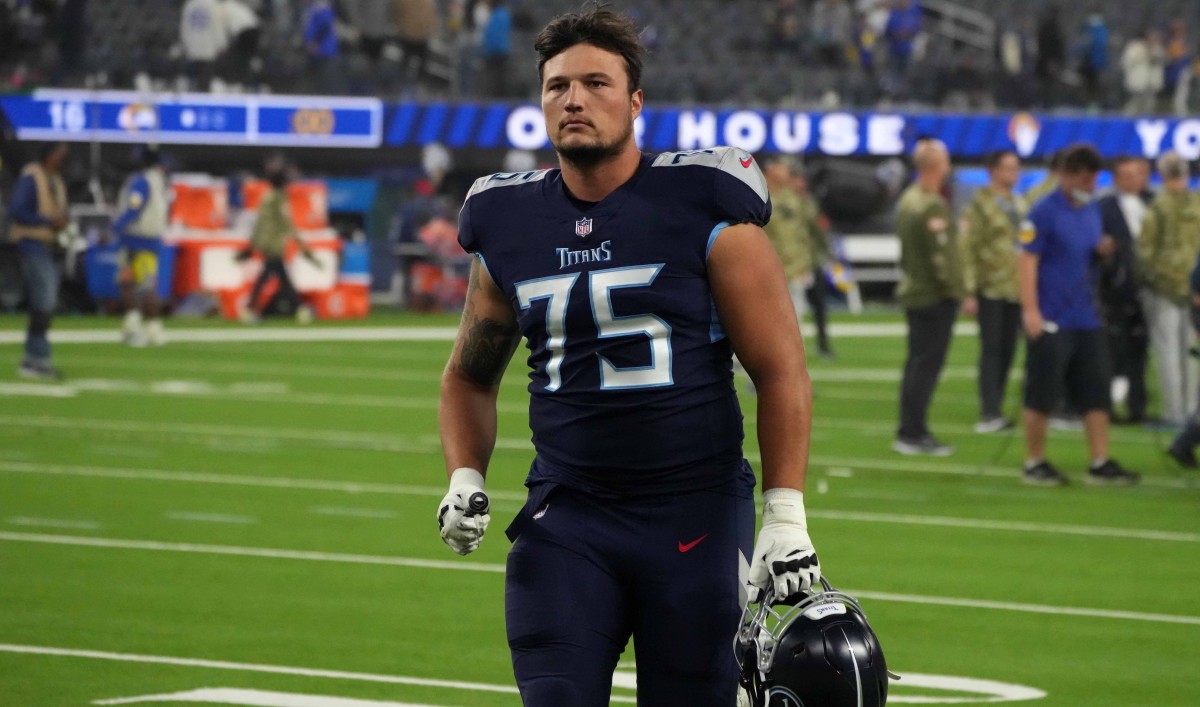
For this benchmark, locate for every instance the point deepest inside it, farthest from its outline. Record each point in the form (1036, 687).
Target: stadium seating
(712, 51)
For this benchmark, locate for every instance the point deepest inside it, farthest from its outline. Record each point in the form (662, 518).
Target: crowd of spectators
(837, 53)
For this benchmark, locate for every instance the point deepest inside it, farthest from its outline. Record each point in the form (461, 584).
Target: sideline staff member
(930, 291)
(990, 225)
(1183, 449)
(1065, 342)
(38, 211)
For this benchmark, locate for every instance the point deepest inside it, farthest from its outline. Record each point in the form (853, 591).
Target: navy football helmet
(818, 652)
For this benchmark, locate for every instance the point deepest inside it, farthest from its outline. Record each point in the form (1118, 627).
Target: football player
(633, 279)
(140, 226)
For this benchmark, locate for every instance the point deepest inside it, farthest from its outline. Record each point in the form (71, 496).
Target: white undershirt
(1134, 210)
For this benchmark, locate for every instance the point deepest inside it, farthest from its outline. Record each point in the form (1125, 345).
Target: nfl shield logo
(583, 227)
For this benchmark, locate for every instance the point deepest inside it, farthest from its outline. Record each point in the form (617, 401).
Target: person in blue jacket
(37, 214)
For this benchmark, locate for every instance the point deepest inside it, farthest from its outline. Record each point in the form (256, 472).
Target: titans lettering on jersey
(631, 384)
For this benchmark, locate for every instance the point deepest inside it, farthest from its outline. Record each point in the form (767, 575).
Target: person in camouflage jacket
(1166, 250)
(990, 224)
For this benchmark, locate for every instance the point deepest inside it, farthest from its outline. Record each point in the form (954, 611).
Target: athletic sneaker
(1186, 456)
(1043, 474)
(40, 371)
(993, 424)
(1111, 473)
(304, 314)
(135, 339)
(155, 334)
(923, 446)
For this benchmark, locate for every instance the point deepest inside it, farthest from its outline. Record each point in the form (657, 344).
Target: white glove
(463, 527)
(783, 556)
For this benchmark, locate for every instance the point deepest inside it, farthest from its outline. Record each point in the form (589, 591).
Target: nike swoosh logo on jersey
(746, 162)
(692, 544)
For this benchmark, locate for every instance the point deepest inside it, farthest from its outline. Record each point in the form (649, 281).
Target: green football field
(240, 521)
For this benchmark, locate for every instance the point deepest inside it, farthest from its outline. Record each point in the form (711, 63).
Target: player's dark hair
(1081, 157)
(1056, 160)
(993, 159)
(600, 27)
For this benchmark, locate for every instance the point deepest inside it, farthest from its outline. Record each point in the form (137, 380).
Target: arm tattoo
(489, 344)
(487, 349)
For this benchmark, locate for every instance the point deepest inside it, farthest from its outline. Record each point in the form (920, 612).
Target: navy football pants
(589, 573)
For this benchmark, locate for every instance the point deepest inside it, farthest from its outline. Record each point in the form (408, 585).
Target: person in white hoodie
(1142, 64)
(204, 36)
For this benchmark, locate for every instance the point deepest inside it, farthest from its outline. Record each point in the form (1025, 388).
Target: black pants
(286, 299)
(638, 566)
(929, 332)
(1128, 349)
(817, 301)
(999, 324)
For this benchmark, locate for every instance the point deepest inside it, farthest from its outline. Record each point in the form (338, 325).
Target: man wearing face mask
(1066, 351)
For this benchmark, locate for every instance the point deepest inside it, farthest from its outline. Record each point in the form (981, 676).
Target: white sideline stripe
(352, 512)
(431, 445)
(254, 698)
(1027, 608)
(466, 566)
(257, 668)
(1015, 526)
(352, 487)
(154, 546)
(54, 523)
(37, 390)
(210, 517)
(223, 335)
(273, 669)
(518, 497)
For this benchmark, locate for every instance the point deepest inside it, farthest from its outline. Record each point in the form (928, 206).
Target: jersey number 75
(601, 283)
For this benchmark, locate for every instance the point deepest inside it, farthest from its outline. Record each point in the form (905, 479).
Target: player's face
(1079, 182)
(777, 174)
(1131, 177)
(939, 163)
(587, 105)
(1006, 171)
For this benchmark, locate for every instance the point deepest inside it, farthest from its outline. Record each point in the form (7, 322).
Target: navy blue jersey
(630, 372)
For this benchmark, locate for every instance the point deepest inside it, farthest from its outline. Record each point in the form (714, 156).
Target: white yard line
(368, 333)
(467, 566)
(353, 512)
(1026, 608)
(198, 477)
(429, 444)
(221, 335)
(53, 523)
(262, 552)
(254, 698)
(196, 517)
(354, 487)
(257, 668)
(1091, 531)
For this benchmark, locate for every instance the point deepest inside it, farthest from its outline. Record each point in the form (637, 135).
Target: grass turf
(271, 504)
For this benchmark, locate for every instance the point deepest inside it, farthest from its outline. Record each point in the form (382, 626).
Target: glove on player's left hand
(784, 557)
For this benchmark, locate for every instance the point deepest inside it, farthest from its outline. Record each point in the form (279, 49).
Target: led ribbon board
(195, 119)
